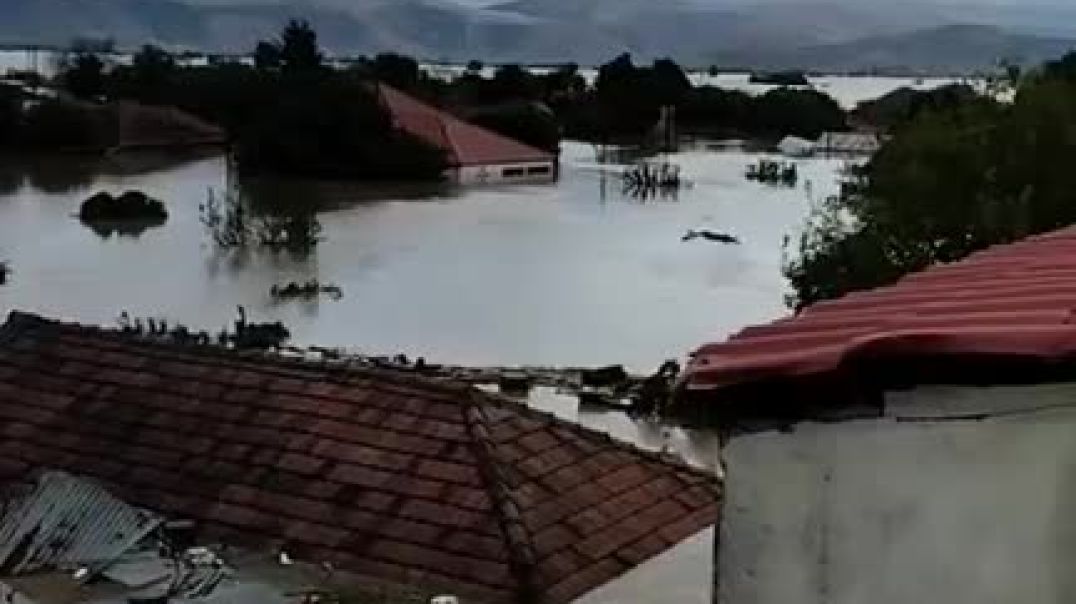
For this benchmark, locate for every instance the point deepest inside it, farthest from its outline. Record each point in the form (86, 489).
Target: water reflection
(60, 174)
(542, 274)
(133, 229)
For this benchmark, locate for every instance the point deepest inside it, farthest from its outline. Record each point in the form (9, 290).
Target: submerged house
(942, 471)
(848, 143)
(375, 474)
(475, 155)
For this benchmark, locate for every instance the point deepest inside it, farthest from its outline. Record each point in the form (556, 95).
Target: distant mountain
(943, 50)
(815, 34)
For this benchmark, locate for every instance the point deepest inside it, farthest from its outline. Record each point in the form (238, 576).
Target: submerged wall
(887, 511)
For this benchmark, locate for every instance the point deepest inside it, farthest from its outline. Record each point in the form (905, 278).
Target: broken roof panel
(66, 523)
(379, 473)
(1014, 301)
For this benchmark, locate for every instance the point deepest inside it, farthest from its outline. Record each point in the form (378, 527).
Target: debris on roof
(68, 523)
(381, 474)
(1007, 304)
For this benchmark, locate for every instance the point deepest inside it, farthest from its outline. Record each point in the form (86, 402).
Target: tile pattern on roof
(1015, 300)
(465, 143)
(379, 473)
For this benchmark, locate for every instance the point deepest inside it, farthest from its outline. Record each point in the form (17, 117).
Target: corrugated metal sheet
(1016, 300)
(65, 523)
(466, 144)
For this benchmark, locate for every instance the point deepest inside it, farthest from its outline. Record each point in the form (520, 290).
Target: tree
(267, 56)
(669, 82)
(85, 77)
(396, 70)
(299, 51)
(512, 83)
(804, 113)
(149, 78)
(951, 181)
(10, 114)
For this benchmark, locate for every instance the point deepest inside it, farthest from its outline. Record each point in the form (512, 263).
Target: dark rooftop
(376, 472)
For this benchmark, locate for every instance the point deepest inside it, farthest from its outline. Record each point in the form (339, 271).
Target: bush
(132, 205)
(59, 125)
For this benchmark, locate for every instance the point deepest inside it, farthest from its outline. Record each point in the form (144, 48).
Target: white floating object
(444, 600)
(81, 573)
(285, 559)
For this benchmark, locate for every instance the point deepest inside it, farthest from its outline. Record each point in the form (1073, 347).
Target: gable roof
(379, 473)
(1008, 302)
(466, 144)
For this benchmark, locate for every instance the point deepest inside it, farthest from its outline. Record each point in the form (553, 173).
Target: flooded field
(563, 274)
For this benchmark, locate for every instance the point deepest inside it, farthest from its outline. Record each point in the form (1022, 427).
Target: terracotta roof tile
(465, 144)
(1014, 301)
(380, 473)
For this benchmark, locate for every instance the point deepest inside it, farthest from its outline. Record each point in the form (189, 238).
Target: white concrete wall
(882, 511)
(495, 174)
(681, 575)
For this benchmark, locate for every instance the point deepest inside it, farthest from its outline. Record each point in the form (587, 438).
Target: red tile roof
(1015, 301)
(380, 473)
(466, 144)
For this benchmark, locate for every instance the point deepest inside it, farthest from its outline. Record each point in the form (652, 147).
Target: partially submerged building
(370, 473)
(848, 143)
(475, 155)
(949, 478)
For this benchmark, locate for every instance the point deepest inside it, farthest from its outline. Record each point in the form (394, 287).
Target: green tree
(396, 70)
(84, 78)
(149, 78)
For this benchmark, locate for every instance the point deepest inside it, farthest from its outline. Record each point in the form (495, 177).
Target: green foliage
(395, 70)
(150, 78)
(803, 113)
(771, 172)
(132, 205)
(59, 125)
(955, 179)
(84, 78)
(290, 114)
(231, 225)
(905, 104)
(298, 49)
(530, 123)
(10, 114)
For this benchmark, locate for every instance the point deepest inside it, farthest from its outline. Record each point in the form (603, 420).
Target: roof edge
(521, 550)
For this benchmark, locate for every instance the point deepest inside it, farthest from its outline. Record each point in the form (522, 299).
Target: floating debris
(711, 236)
(310, 289)
(772, 172)
(646, 180)
(244, 335)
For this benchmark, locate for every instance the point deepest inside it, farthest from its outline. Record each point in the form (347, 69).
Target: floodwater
(559, 274)
(571, 273)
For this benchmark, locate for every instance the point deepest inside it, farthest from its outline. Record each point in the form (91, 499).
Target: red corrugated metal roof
(466, 144)
(380, 473)
(1015, 300)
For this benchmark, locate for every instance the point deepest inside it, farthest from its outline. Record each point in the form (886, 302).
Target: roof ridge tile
(517, 538)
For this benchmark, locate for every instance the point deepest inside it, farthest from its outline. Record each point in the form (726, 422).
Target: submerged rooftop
(466, 144)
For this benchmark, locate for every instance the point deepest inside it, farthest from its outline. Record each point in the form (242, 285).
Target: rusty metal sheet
(66, 523)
